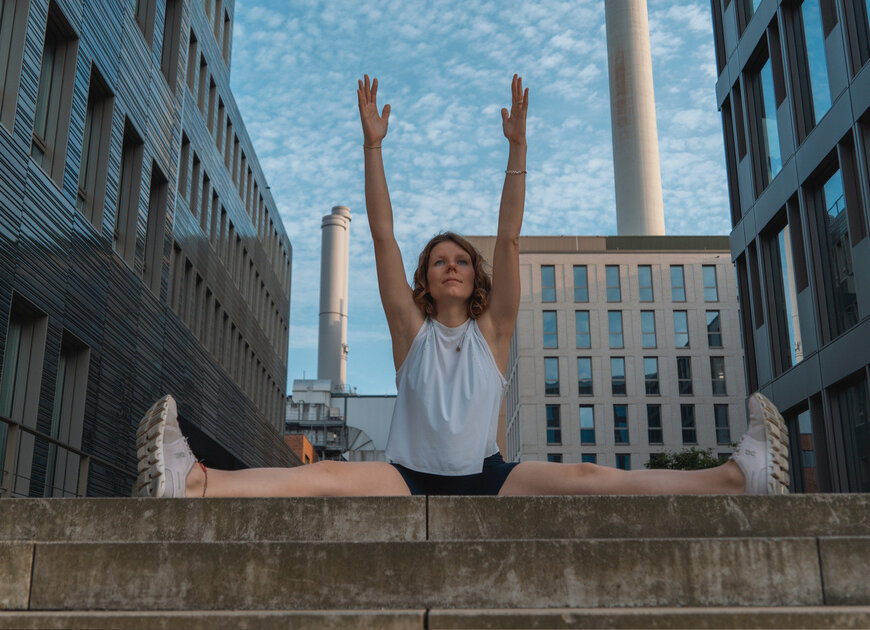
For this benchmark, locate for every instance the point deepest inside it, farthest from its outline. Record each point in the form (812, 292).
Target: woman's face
(450, 273)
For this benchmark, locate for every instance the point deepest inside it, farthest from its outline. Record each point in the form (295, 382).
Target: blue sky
(445, 68)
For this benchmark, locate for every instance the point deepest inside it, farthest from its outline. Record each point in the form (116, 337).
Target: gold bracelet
(515, 172)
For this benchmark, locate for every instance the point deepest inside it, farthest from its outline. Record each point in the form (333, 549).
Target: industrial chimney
(332, 342)
(636, 167)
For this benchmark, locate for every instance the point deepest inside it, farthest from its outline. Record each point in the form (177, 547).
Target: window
(554, 457)
(124, 241)
(22, 373)
(617, 376)
(723, 429)
(711, 290)
(96, 137)
(651, 376)
(614, 321)
(785, 313)
(587, 424)
(850, 407)
(644, 283)
(54, 95)
(581, 324)
(581, 284)
(654, 424)
(681, 329)
(678, 284)
(145, 10)
(584, 376)
(227, 32)
(554, 425)
(767, 129)
(551, 376)
(620, 424)
(171, 42)
(816, 15)
(684, 376)
(613, 291)
(548, 283)
(717, 372)
(648, 329)
(687, 420)
(588, 458)
(551, 337)
(155, 233)
(623, 461)
(13, 27)
(192, 51)
(714, 330)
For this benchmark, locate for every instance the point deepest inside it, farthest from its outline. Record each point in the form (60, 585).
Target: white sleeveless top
(446, 415)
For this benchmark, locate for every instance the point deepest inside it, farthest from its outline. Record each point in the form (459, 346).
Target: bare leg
(536, 478)
(325, 478)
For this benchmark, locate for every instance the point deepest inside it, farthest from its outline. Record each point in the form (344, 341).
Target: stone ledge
(16, 560)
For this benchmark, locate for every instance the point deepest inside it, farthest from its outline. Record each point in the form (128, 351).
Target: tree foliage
(688, 459)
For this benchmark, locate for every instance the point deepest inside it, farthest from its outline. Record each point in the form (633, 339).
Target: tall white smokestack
(636, 167)
(332, 342)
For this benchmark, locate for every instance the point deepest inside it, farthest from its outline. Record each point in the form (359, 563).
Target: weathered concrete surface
(846, 570)
(496, 518)
(216, 620)
(749, 617)
(15, 569)
(351, 519)
(539, 574)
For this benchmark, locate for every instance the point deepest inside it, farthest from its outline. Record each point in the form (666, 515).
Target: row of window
(623, 460)
(220, 19)
(196, 305)
(654, 433)
(211, 106)
(583, 332)
(205, 205)
(651, 380)
(613, 283)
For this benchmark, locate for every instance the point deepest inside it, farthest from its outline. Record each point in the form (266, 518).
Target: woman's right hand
(374, 126)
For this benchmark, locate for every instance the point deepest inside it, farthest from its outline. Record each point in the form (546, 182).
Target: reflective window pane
(548, 283)
(711, 289)
(814, 36)
(678, 284)
(772, 155)
(613, 290)
(648, 329)
(654, 423)
(687, 421)
(723, 429)
(551, 376)
(587, 424)
(714, 329)
(684, 376)
(620, 424)
(581, 284)
(717, 375)
(617, 376)
(844, 309)
(554, 425)
(651, 375)
(614, 320)
(681, 329)
(644, 283)
(584, 376)
(789, 305)
(551, 337)
(581, 324)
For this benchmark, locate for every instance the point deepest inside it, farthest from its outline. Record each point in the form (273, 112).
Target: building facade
(141, 252)
(624, 347)
(794, 92)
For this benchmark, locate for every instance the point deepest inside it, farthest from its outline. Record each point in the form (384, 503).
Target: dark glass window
(678, 284)
(765, 104)
(644, 283)
(817, 64)
(614, 321)
(587, 424)
(623, 461)
(581, 284)
(617, 376)
(684, 376)
(584, 376)
(717, 372)
(554, 457)
(589, 458)
(554, 425)
(654, 423)
(648, 329)
(681, 329)
(614, 293)
(620, 424)
(687, 420)
(551, 336)
(711, 290)
(581, 323)
(844, 304)
(723, 428)
(651, 375)
(551, 376)
(714, 329)
(548, 283)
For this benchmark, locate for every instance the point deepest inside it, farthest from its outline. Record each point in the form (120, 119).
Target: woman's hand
(514, 124)
(374, 126)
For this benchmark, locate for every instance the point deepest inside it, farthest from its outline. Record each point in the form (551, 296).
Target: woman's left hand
(514, 124)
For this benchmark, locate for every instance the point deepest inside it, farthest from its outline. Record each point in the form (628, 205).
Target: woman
(451, 337)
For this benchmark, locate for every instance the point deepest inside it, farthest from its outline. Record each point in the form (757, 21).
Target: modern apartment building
(141, 252)
(625, 346)
(794, 92)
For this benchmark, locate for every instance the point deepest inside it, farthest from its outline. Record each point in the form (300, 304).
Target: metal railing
(8, 484)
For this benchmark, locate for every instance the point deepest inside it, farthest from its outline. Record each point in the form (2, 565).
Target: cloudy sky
(445, 68)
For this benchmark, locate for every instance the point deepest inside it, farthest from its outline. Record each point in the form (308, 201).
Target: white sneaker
(165, 459)
(762, 452)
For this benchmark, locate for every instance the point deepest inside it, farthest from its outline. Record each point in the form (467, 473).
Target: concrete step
(748, 617)
(383, 519)
(436, 574)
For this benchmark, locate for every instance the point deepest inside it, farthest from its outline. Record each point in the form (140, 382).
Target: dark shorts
(490, 481)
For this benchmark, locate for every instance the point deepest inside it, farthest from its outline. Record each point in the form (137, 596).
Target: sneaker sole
(777, 446)
(151, 481)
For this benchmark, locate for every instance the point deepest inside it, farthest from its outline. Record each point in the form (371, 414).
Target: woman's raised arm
(403, 316)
